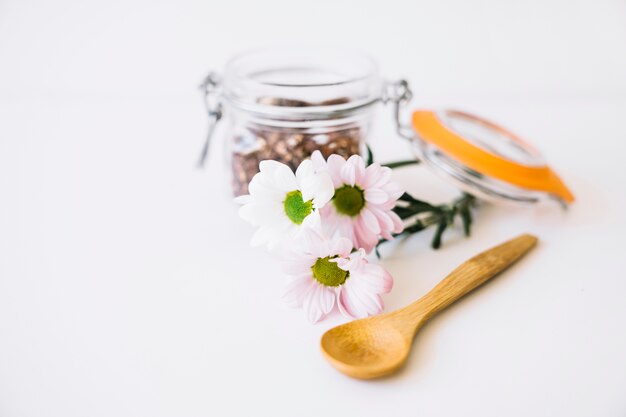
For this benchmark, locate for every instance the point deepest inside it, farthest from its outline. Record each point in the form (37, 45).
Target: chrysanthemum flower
(325, 273)
(280, 203)
(361, 208)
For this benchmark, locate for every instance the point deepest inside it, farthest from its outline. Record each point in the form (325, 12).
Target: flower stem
(400, 164)
(426, 215)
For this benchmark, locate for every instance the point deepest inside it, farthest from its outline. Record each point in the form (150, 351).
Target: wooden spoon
(377, 346)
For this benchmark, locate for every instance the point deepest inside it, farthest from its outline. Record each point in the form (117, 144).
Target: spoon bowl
(377, 346)
(366, 348)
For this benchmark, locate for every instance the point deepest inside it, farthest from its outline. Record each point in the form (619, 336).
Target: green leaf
(466, 218)
(370, 155)
(441, 216)
(417, 204)
(403, 212)
(417, 227)
(441, 227)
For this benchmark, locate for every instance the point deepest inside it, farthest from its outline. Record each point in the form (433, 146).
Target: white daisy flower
(281, 204)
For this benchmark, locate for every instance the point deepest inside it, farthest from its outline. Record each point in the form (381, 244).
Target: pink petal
(376, 176)
(370, 221)
(384, 220)
(297, 290)
(312, 240)
(347, 305)
(342, 247)
(398, 226)
(299, 265)
(364, 301)
(364, 238)
(393, 190)
(359, 169)
(384, 176)
(376, 196)
(327, 299)
(348, 174)
(312, 304)
(371, 175)
(335, 163)
(376, 278)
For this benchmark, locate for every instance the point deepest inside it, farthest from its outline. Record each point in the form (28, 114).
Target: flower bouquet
(327, 217)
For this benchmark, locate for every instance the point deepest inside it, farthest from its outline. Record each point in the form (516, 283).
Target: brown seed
(288, 145)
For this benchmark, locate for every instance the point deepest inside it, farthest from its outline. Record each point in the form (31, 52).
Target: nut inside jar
(255, 142)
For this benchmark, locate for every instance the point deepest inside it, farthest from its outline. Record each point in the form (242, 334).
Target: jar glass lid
(485, 159)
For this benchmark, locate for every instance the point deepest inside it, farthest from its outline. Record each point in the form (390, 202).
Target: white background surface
(127, 287)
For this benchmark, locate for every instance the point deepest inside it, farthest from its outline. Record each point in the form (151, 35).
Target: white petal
(312, 221)
(325, 190)
(263, 236)
(265, 214)
(305, 169)
(319, 163)
(262, 189)
(281, 176)
(243, 199)
(317, 187)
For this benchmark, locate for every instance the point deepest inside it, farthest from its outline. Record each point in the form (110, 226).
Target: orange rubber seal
(431, 130)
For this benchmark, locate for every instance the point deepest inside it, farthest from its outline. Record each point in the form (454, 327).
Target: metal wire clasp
(398, 93)
(210, 88)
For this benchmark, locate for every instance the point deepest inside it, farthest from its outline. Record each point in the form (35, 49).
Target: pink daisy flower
(361, 208)
(325, 273)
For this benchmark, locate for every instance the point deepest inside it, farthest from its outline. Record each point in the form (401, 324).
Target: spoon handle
(470, 275)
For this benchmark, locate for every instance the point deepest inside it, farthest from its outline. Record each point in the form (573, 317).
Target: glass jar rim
(317, 82)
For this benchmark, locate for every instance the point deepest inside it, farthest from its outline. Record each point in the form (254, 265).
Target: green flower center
(328, 273)
(349, 200)
(296, 208)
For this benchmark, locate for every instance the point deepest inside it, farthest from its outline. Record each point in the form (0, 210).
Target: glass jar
(283, 104)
